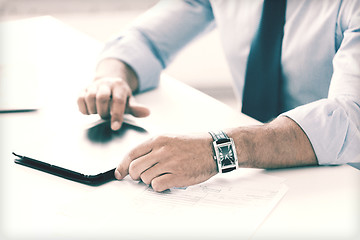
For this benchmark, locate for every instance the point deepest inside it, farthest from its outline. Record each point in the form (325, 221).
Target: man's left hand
(170, 161)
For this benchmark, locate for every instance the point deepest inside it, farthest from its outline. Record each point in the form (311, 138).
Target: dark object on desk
(102, 133)
(355, 165)
(93, 180)
(17, 110)
(86, 154)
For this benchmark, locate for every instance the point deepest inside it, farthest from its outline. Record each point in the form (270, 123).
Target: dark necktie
(262, 90)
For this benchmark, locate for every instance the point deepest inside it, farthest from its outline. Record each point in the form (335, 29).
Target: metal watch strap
(218, 135)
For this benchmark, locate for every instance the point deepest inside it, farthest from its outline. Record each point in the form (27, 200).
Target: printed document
(229, 205)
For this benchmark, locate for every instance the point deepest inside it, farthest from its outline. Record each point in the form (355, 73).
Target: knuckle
(107, 80)
(161, 139)
(117, 80)
(164, 144)
(119, 99)
(120, 82)
(165, 152)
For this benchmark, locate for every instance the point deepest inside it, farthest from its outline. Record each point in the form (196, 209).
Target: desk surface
(321, 203)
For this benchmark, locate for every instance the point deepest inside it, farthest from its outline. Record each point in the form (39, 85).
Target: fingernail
(115, 126)
(117, 175)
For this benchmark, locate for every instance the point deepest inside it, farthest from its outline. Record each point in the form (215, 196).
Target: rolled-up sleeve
(333, 124)
(152, 41)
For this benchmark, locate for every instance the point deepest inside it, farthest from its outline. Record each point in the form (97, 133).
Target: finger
(103, 96)
(81, 103)
(142, 164)
(136, 109)
(150, 173)
(164, 182)
(118, 104)
(123, 169)
(90, 99)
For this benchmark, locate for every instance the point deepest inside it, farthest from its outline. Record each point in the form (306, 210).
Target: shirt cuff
(330, 128)
(132, 49)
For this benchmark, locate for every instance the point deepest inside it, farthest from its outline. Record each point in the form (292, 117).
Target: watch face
(226, 155)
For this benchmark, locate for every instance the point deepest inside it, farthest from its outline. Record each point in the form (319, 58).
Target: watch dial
(226, 155)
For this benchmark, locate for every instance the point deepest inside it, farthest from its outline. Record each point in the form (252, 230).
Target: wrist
(244, 145)
(224, 151)
(278, 144)
(114, 68)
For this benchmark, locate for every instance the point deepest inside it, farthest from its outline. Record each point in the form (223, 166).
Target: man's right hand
(110, 94)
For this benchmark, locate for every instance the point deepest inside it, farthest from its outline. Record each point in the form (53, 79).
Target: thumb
(122, 169)
(141, 150)
(136, 109)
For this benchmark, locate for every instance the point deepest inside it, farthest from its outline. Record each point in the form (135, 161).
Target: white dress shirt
(320, 59)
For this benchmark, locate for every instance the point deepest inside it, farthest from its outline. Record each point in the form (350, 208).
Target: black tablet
(87, 155)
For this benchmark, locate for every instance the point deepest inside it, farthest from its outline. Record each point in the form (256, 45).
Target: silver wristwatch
(224, 152)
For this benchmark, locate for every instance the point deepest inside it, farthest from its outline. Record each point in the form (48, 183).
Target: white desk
(321, 203)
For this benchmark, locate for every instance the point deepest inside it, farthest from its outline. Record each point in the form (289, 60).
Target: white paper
(229, 205)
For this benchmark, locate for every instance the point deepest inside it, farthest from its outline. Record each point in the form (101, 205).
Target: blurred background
(201, 65)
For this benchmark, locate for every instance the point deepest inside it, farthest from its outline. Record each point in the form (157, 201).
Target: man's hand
(110, 94)
(178, 161)
(170, 161)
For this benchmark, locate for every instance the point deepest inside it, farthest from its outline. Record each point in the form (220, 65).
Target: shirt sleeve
(333, 124)
(152, 41)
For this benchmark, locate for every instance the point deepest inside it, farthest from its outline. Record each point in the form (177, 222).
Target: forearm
(111, 67)
(170, 161)
(279, 144)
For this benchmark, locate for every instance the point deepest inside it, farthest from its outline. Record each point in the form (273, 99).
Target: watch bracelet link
(218, 135)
